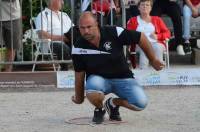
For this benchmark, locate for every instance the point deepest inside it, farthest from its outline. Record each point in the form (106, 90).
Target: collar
(50, 11)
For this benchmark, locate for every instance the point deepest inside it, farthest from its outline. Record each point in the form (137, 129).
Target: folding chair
(42, 46)
(166, 54)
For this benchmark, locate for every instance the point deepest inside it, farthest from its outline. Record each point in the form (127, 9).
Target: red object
(105, 6)
(24, 17)
(161, 29)
(195, 2)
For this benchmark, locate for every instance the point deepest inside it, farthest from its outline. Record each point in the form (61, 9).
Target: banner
(149, 77)
(185, 76)
(65, 79)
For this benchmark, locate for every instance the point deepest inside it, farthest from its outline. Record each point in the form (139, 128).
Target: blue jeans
(187, 14)
(127, 89)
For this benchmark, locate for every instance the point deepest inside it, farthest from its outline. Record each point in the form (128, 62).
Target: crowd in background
(109, 13)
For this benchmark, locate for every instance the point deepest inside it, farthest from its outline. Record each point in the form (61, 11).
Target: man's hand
(157, 65)
(77, 101)
(78, 98)
(145, 45)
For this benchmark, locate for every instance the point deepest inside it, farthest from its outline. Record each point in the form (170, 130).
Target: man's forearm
(46, 35)
(79, 86)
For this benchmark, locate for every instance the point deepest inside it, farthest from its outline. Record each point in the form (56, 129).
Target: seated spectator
(191, 8)
(52, 24)
(107, 6)
(154, 29)
(172, 9)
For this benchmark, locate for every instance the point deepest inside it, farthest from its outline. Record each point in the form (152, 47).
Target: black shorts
(11, 40)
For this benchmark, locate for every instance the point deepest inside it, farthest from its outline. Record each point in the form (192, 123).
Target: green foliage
(29, 7)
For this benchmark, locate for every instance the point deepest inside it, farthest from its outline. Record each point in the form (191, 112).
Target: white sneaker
(198, 43)
(180, 50)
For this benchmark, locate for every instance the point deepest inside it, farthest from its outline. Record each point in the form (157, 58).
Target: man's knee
(139, 105)
(95, 83)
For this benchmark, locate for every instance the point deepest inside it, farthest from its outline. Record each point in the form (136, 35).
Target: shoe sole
(188, 53)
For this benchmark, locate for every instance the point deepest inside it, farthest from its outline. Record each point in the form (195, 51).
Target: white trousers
(144, 61)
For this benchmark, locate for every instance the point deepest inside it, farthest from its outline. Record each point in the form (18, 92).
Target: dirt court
(170, 109)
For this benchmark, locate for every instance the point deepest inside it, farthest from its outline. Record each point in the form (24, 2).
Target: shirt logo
(83, 51)
(107, 45)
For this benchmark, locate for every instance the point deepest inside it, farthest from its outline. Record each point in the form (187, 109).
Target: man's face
(88, 28)
(57, 4)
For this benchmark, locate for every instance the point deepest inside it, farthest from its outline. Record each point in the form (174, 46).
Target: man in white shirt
(52, 24)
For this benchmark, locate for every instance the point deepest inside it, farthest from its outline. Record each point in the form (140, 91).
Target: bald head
(88, 26)
(87, 16)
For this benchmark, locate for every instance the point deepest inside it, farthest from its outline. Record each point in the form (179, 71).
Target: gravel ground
(170, 109)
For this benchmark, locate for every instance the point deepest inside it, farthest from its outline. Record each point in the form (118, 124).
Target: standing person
(154, 29)
(172, 9)
(86, 5)
(131, 8)
(191, 8)
(52, 24)
(103, 9)
(99, 56)
(10, 29)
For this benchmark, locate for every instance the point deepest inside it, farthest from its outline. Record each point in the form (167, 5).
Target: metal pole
(101, 12)
(111, 12)
(123, 13)
(1, 33)
(31, 22)
(124, 22)
(11, 26)
(72, 18)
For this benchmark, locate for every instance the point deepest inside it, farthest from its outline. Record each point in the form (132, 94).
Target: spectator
(154, 29)
(86, 5)
(10, 25)
(191, 8)
(131, 8)
(107, 6)
(172, 9)
(98, 55)
(52, 24)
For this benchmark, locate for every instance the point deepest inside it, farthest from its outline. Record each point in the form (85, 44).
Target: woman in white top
(154, 29)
